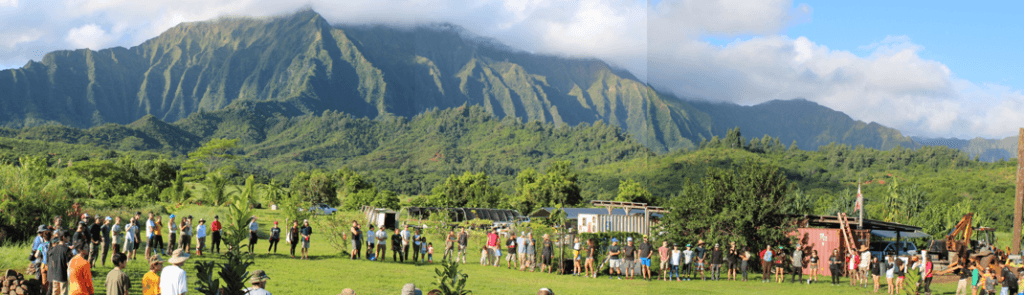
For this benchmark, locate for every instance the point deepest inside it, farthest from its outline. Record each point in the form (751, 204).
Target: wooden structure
(1018, 204)
(642, 226)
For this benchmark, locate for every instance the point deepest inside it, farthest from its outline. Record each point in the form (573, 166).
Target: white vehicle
(322, 209)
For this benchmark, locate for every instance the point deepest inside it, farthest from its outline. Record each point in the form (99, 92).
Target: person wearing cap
(688, 263)
(613, 259)
(215, 230)
(173, 279)
(780, 265)
(173, 230)
(382, 244)
(545, 291)
(716, 262)
(80, 272)
(117, 282)
(629, 258)
(40, 247)
(96, 240)
(42, 233)
(151, 280)
(766, 256)
(58, 257)
(275, 238)
(306, 232)
(201, 237)
(646, 251)
(258, 280)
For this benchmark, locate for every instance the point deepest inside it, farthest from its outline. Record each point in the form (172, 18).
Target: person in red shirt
(79, 272)
(492, 245)
(215, 227)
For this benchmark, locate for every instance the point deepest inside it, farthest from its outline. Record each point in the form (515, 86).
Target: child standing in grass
(423, 248)
(430, 252)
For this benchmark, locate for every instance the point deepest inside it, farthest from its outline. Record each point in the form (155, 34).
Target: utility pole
(1018, 205)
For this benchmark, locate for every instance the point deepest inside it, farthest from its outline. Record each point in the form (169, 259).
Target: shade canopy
(903, 234)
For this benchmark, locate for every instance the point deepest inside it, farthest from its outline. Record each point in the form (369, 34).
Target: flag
(860, 199)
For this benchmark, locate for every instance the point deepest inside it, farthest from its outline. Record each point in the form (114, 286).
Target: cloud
(886, 82)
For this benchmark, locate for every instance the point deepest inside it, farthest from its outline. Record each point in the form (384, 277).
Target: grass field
(328, 273)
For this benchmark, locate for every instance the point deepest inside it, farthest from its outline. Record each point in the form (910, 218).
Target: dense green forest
(465, 156)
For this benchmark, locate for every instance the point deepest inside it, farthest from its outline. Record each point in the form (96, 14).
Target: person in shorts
(688, 262)
(613, 260)
(546, 252)
(577, 257)
(305, 232)
(371, 240)
(510, 245)
(700, 255)
(646, 251)
(864, 266)
(663, 254)
(731, 259)
(629, 258)
(357, 240)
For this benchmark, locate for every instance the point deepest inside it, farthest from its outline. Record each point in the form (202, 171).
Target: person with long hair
(745, 262)
(780, 265)
(766, 263)
(293, 237)
(591, 253)
(731, 262)
(158, 236)
(577, 250)
(852, 267)
(835, 266)
(890, 272)
(876, 272)
(899, 273)
(814, 266)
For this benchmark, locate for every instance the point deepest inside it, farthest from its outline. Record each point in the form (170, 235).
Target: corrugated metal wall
(598, 223)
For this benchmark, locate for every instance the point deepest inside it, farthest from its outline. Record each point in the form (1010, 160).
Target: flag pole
(860, 204)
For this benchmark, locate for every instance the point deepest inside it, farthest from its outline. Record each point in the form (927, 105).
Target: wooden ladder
(846, 232)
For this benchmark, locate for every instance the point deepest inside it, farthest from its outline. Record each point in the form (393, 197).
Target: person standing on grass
(745, 262)
(382, 239)
(430, 252)
(701, 256)
(254, 236)
(716, 262)
(116, 235)
(780, 265)
(852, 264)
(864, 266)
(688, 262)
(675, 261)
(259, 283)
(416, 246)
(815, 266)
(173, 230)
(547, 250)
(646, 250)
(963, 285)
(876, 273)
(835, 266)
(79, 272)
(927, 275)
(798, 264)
(293, 237)
(138, 231)
(613, 259)
(766, 262)
(406, 237)
(663, 266)
(591, 256)
(96, 237)
(118, 282)
(577, 257)
(39, 253)
(150, 241)
(463, 244)
(186, 233)
(200, 237)
(131, 230)
(80, 237)
(306, 232)
(173, 279)
(531, 252)
(275, 238)
(449, 246)
(731, 258)
(151, 280)
(521, 250)
(510, 246)
(371, 240)
(890, 274)
(158, 229)
(357, 241)
(215, 228)
(629, 258)
(57, 260)
(396, 246)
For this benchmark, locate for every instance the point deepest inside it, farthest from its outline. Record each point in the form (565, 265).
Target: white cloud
(89, 36)
(662, 44)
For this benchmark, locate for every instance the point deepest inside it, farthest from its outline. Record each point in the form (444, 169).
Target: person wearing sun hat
(173, 279)
(258, 280)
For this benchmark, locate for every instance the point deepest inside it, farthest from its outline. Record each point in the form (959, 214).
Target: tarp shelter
(381, 217)
(463, 214)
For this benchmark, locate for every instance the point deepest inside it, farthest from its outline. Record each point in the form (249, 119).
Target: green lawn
(327, 273)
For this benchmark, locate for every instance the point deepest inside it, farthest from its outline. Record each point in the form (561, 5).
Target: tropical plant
(450, 280)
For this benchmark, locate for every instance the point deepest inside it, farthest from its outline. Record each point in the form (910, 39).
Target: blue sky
(927, 68)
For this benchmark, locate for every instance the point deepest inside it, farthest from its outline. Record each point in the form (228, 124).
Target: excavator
(963, 251)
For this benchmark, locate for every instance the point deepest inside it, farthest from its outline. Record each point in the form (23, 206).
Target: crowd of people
(63, 259)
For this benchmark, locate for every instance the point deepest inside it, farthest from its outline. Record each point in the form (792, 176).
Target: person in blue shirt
(253, 233)
(416, 246)
(371, 240)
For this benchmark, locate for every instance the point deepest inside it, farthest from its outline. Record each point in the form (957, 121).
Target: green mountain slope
(809, 124)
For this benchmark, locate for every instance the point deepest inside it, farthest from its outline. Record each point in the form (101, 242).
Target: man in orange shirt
(151, 281)
(79, 272)
(215, 227)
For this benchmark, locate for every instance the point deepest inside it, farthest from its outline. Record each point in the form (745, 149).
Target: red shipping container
(823, 240)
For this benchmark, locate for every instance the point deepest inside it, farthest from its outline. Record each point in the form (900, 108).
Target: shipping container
(823, 240)
(598, 223)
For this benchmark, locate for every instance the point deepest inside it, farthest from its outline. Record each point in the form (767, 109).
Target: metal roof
(907, 235)
(573, 213)
(831, 221)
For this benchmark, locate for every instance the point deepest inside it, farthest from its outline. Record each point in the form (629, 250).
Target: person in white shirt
(173, 279)
(864, 266)
(406, 236)
(676, 255)
(382, 244)
(200, 236)
(150, 224)
(259, 283)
